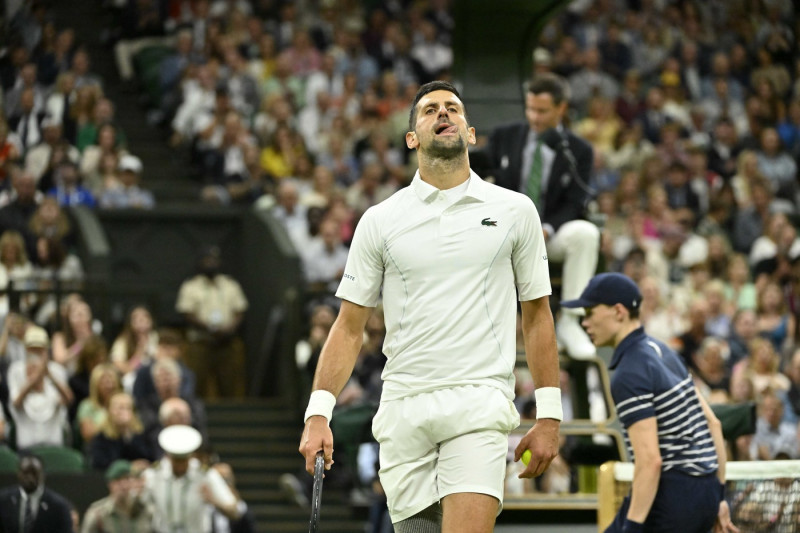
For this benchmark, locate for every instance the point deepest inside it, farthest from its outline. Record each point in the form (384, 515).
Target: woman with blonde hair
(761, 368)
(14, 265)
(93, 411)
(121, 436)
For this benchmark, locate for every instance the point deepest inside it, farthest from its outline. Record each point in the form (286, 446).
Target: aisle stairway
(165, 170)
(259, 439)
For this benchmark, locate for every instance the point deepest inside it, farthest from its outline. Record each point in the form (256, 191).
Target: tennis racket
(316, 498)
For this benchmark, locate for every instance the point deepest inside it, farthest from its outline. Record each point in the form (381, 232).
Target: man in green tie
(535, 157)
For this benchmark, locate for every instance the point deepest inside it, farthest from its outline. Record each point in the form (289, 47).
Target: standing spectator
(38, 394)
(181, 474)
(129, 194)
(214, 305)
(123, 509)
(32, 507)
(121, 436)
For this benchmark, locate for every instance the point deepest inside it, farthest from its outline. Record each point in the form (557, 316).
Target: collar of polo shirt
(427, 192)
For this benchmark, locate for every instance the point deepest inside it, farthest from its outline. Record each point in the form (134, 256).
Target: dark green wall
(493, 44)
(148, 254)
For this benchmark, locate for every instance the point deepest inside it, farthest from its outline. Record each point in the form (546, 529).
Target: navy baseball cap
(609, 288)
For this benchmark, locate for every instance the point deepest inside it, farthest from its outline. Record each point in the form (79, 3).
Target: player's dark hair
(633, 313)
(551, 84)
(429, 87)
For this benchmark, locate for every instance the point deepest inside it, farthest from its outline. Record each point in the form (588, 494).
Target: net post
(606, 495)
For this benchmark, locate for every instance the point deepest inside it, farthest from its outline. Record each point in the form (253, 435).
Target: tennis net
(764, 496)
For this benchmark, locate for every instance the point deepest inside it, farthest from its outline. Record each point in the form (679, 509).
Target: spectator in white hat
(129, 194)
(181, 478)
(38, 394)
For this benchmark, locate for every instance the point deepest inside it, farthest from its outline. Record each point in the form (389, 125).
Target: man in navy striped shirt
(673, 436)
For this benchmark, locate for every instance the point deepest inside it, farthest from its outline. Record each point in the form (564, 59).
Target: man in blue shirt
(672, 435)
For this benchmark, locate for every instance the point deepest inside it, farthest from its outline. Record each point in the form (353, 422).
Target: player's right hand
(317, 436)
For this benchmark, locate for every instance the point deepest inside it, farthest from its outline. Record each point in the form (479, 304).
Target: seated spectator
(739, 289)
(719, 322)
(77, 331)
(68, 189)
(289, 212)
(761, 367)
(213, 305)
(774, 321)
(176, 411)
(93, 410)
(711, 377)
(135, 346)
(241, 188)
(15, 269)
(99, 112)
(778, 166)
(40, 160)
(50, 221)
(167, 378)
(325, 258)
(170, 346)
(38, 394)
(121, 436)
(56, 266)
(93, 353)
(773, 434)
(128, 194)
(369, 189)
(791, 399)
(12, 344)
(19, 206)
(658, 314)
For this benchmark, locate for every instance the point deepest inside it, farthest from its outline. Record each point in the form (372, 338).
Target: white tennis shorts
(443, 442)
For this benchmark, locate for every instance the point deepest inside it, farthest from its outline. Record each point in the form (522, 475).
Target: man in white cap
(129, 194)
(39, 394)
(183, 492)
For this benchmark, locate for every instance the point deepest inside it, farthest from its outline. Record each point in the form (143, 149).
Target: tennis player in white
(450, 253)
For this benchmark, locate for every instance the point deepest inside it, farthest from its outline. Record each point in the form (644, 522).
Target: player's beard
(446, 148)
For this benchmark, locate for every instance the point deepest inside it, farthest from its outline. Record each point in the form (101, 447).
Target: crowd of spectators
(299, 108)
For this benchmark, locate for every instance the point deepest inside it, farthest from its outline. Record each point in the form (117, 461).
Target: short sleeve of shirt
(529, 255)
(363, 273)
(633, 396)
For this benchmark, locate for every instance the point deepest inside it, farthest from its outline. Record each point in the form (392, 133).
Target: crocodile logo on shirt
(487, 222)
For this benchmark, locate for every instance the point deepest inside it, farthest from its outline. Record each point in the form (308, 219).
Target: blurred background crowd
(299, 107)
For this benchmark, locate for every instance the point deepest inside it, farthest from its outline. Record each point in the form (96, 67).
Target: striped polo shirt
(650, 380)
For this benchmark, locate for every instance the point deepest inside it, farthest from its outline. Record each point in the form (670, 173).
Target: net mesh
(764, 496)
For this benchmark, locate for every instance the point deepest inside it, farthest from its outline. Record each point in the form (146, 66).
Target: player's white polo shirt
(448, 271)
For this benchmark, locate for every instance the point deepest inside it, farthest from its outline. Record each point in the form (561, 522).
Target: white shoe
(573, 339)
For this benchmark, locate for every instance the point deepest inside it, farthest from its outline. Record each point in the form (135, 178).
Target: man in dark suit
(30, 507)
(530, 157)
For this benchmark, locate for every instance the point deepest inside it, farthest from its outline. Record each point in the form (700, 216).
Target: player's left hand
(724, 524)
(542, 441)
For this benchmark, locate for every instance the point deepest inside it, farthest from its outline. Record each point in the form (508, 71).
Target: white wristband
(548, 403)
(320, 403)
